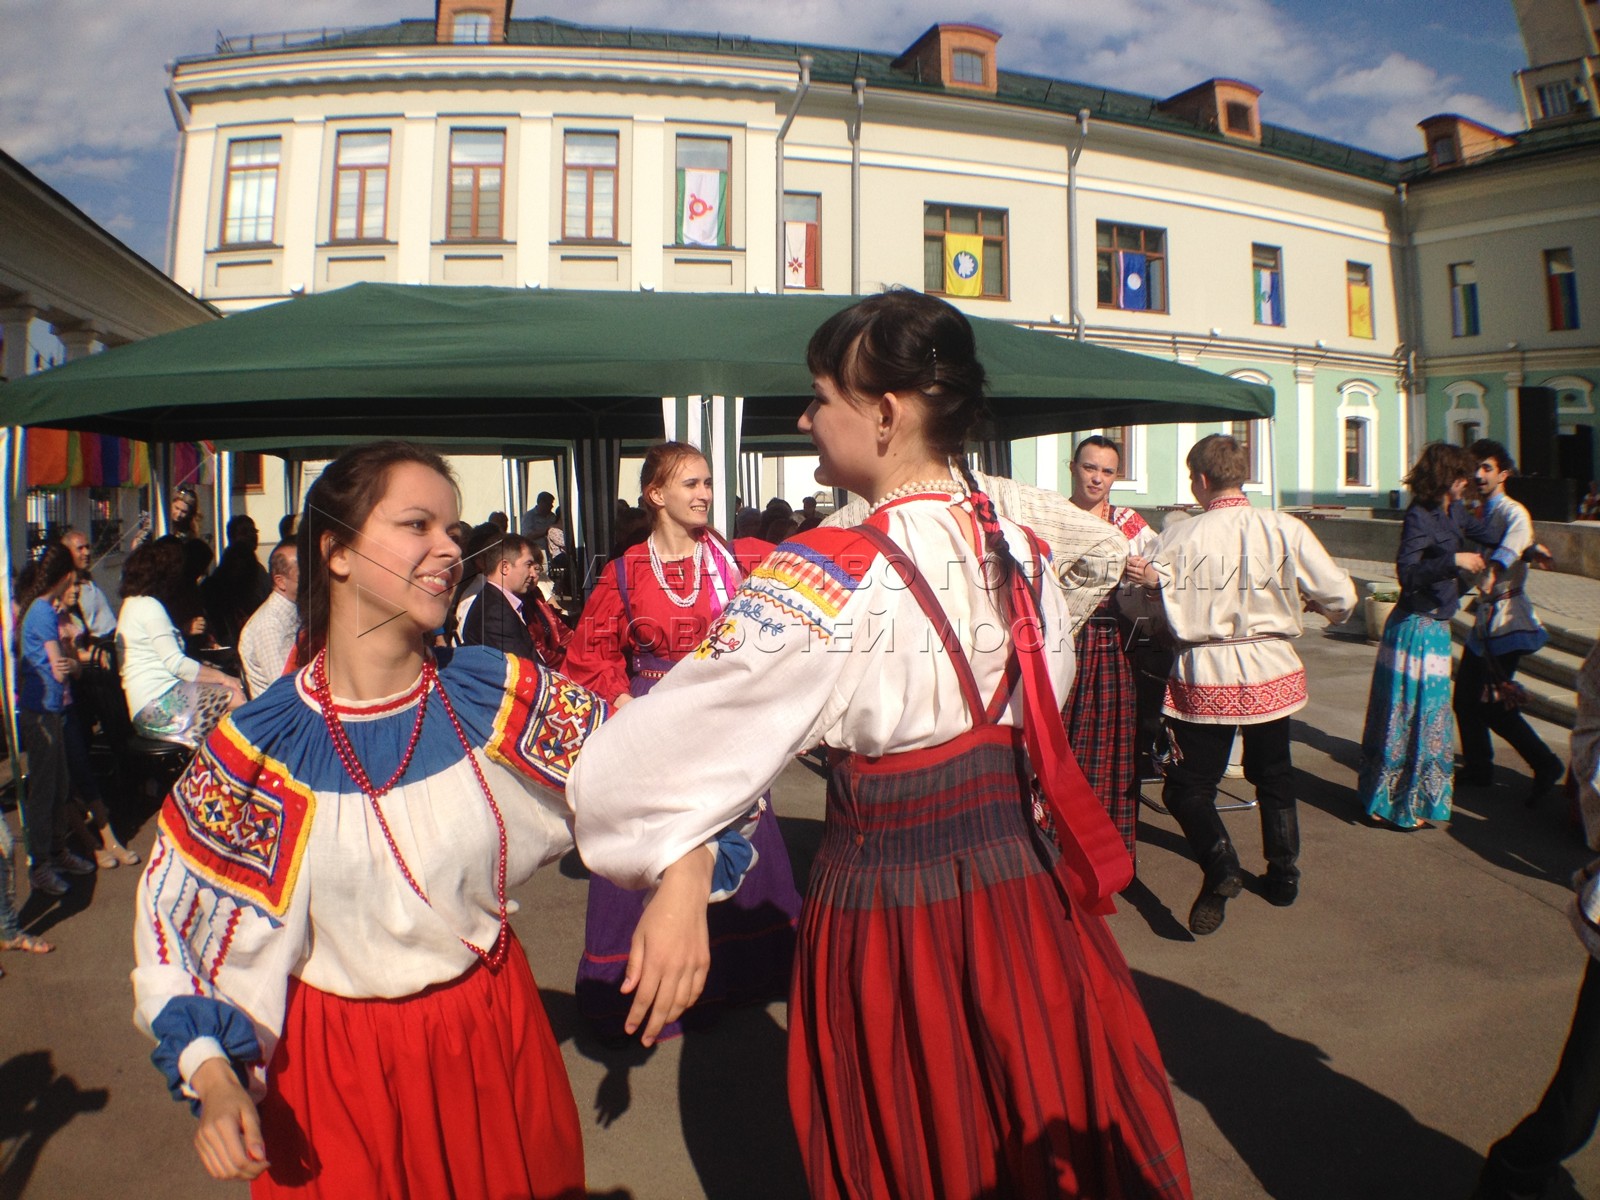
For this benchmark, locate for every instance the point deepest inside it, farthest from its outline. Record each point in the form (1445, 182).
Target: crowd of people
(416, 723)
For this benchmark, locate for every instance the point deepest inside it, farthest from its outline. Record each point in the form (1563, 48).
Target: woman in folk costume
(322, 928)
(1407, 772)
(651, 608)
(1101, 713)
(961, 1023)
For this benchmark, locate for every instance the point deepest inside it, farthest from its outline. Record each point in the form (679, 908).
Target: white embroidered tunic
(1234, 582)
(823, 643)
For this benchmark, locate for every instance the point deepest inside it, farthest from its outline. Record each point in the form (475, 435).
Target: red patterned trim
(1239, 699)
(360, 710)
(1229, 502)
(1129, 522)
(227, 941)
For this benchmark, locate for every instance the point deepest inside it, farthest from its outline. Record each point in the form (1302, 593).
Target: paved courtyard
(1366, 1044)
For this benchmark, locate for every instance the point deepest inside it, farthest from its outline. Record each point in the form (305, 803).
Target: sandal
(105, 860)
(27, 943)
(128, 858)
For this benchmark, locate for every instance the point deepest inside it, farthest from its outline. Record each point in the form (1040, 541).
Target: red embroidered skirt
(1102, 723)
(956, 1029)
(458, 1091)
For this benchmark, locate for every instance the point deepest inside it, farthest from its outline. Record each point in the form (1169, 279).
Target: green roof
(833, 64)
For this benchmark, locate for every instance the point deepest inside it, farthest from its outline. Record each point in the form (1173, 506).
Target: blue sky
(82, 104)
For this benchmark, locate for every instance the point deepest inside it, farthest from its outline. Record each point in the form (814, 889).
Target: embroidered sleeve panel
(239, 821)
(542, 723)
(806, 582)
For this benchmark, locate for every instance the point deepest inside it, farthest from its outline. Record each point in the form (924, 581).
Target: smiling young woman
(652, 607)
(324, 918)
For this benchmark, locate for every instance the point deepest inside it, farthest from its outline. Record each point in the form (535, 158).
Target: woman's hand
(625, 698)
(1141, 571)
(671, 949)
(229, 1138)
(1466, 560)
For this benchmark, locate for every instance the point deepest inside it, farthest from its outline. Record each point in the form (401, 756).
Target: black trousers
(61, 787)
(1190, 791)
(1526, 1159)
(1476, 719)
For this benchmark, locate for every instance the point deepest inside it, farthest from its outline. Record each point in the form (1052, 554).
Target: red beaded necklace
(323, 693)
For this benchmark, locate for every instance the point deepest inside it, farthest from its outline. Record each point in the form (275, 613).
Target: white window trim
(1466, 398)
(1260, 442)
(1572, 383)
(1358, 400)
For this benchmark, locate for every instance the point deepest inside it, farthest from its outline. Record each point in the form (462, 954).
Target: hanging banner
(702, 207)
(963, 264)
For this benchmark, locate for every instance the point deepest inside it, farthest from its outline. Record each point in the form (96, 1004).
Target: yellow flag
(963, 264)
(1360, 310)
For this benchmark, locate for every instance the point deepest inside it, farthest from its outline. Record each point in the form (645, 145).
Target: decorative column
(14, 323)
(1305, 428)
(1513, 434)
(80, 340)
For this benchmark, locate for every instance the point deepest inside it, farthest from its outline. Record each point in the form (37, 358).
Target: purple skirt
(752, 932)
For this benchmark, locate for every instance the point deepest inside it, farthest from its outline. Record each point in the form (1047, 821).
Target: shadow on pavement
(41, 912)
(1304, 1130)
(35, 1103)
(1162, 920)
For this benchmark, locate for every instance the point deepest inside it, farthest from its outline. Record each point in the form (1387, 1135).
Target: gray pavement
(1571, 602)
(1366, 1044)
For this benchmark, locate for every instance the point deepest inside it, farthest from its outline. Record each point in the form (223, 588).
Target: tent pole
(1272, 460)
(13, 465)
(222, 493)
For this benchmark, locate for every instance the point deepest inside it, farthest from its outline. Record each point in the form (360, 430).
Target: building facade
(478, 148)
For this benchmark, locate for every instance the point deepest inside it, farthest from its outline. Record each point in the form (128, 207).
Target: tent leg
(13, 480)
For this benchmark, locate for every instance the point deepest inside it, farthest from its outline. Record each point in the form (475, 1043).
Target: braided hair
(903, 341)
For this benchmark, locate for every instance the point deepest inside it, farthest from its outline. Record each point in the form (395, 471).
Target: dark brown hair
(54, 565)
(1100, 440)
(903, 341)
(1438, 466)
(337, 506)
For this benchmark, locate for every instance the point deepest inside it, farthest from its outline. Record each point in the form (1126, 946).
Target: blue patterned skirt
(1408, 743)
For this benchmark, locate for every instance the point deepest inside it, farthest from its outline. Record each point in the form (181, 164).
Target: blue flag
(1135, 283)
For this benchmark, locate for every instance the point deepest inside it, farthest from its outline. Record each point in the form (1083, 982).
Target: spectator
(747, 523)
(778, 522)
(500, 521)
(1589, 506)
(183, 512)
(286, 526)
(497, 618)
(268, 636)
(99, 617)
(482, 538)
(536, 524)
(810, 518)
(234, 591)
(170, 696)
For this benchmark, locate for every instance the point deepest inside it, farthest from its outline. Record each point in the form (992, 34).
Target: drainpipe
(1408, 333)
(799, 95)
(859, 86)
(180, 117)
(1072, 223)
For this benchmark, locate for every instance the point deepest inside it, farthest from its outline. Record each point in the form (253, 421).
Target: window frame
(1563, 318)
(1350, 267)
(1106, 265)
(230, 172)
(1131, 473)
(1460, 290)
(678, 166)
(1236, 108)
(1002, 240)
(1256, 266)
(962, 55)
(362, 172)
(1358, 402)
(474, 20)
(451, 167)
(590, 172)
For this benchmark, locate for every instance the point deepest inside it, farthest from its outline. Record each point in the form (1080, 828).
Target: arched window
(1467, 419)
(1574, 395)
(1252, 435)
(1358, 438)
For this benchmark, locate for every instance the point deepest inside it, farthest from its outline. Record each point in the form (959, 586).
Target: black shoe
(1545, 778)
(1223, 883)
(1280, 891)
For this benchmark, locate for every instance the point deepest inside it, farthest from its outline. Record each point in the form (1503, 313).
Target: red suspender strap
(934, 611)
(1097, 862)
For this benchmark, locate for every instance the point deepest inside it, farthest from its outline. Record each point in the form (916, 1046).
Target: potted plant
(1378, 607)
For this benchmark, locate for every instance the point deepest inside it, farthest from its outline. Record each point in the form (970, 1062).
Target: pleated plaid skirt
(1102, 725)
(957, 1027)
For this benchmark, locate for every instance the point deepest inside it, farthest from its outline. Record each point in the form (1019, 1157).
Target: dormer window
(1240, 118)
(1442, 152)
(470, 29)
(966, 66)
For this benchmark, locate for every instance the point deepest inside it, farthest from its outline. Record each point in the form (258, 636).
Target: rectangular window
(1266, 269)
(704, 165)
(1119, 435)
(1355, 452)
(1131, 267)
(1555, 99)
(250, 191)
(802, 240)
(1561, 288)
(590, 166)
(1463, 299)
(248, 475)
(1358, 296)
(1244, 432)
(1238, 117)
(966, 66)
(477, 182)
(470, 29)
(963, 251)
(361, 186)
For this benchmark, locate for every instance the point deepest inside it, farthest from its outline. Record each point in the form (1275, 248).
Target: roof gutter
(783, 132)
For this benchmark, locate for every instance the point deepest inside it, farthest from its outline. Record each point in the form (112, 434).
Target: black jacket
(491, 621)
